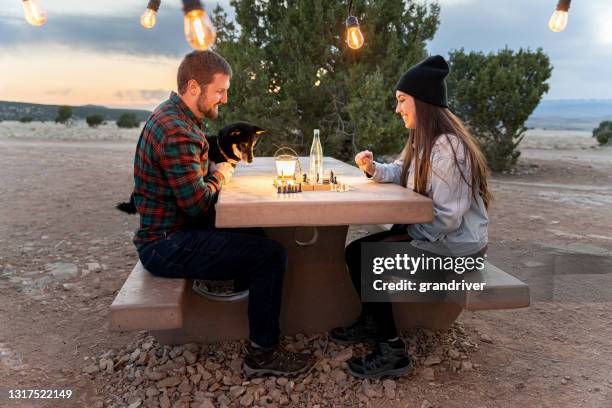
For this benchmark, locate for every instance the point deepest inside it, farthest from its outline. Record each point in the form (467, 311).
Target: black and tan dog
(233, 144)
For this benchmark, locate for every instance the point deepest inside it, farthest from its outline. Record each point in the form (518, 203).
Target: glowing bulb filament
(354, 38)
(33, 13)
(199, 31)
(558, 21)
(148, 18)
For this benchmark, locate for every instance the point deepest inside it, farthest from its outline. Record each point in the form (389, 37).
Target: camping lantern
(287, 165)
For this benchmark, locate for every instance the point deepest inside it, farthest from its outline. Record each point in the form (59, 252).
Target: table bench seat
(147, 302)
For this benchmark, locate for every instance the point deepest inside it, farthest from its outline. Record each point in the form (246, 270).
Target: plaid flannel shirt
(173, 189)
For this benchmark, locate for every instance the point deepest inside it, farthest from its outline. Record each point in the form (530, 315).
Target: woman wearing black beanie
(441, 160)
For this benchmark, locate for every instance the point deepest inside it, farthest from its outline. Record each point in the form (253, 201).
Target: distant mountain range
(561, 114)
(39, 112)
(570, 114)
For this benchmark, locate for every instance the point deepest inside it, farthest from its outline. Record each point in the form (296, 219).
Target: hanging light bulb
(354, 38)
(33, 13)
(199, 31)
(558, 21)
(148, 18)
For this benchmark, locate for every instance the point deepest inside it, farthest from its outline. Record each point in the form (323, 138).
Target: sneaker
(274, 361)
(363, 330)
(387, 360)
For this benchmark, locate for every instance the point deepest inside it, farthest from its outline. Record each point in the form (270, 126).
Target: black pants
(381, 312)
(225, 254)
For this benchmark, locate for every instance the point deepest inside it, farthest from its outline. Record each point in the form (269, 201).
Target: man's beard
(210, 112)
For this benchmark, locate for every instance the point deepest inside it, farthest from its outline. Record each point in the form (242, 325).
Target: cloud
(105, 33)
(58, 92)
(142, 95)
(580, 62)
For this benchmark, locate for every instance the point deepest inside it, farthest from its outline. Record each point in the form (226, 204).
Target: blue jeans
(245, 255)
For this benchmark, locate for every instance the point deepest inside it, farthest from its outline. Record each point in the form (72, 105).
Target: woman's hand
(365, 161)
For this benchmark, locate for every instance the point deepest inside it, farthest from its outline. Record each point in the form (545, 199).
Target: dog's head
(241, 138)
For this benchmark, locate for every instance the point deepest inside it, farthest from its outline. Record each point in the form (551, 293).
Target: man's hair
(201, 66)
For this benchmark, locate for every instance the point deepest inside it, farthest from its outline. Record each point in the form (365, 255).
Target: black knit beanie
(425, 81)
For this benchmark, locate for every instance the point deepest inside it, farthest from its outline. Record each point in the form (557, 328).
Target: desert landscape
(66, 252)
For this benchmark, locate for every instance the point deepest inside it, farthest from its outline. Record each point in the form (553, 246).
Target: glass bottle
(315, 172)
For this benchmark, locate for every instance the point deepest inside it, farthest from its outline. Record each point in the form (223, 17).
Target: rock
(246, 400)
(185, 387)
(164, 401)
(369, 390)
(169, 382)
(134, 355)
(282, 381)
(154, 375)
(206, 403)
(563, 381)
(190, 358)
(91, 369)
(275, 395)
(236, 391)
(338, 376)
(62, 271)
(110, 366)
(454, 354)
(284, 400)
(426, 404)
(486, 339)
(391, 384)
(68, 286)
(135, 404)
(344, 355)
(428, 374)
(466, 366)
(151, 392)
(432, 360)
(223, 400)
(93, 266)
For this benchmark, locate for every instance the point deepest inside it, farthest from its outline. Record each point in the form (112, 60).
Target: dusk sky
(97, 53)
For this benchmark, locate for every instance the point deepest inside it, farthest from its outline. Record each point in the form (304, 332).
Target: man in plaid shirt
(176, 187)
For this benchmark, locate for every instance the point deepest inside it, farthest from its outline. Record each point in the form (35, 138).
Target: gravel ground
(65, 252)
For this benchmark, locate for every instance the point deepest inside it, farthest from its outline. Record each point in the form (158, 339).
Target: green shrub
(128, 120)
(494, 94)
(603, 133)
(94, 120)
(63, 114)
(26, 119)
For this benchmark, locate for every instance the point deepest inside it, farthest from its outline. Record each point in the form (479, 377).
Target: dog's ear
(259, 131)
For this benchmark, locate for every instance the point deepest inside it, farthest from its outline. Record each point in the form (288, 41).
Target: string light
(558, 21)
(354, 37)
(199, 31)
(33, 13)
(148, 18)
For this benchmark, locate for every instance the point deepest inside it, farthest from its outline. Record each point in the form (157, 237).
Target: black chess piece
(279, 190)
(284, 190)
(304, 177)
(300, 188)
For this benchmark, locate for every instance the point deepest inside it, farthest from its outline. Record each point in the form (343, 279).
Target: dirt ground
(551, 225)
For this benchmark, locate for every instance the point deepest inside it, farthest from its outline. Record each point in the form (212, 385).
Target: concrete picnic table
(318, 293)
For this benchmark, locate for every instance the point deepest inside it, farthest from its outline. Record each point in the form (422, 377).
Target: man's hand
(224, 168)
(365, 161)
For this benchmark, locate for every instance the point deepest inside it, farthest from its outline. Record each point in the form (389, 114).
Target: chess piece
(284, 189)
(304, 178)
(279, 190)
(300, 188)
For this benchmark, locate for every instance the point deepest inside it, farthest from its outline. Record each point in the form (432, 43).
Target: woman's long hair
(434, 121)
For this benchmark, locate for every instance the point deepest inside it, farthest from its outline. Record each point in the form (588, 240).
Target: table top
(251, 200)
